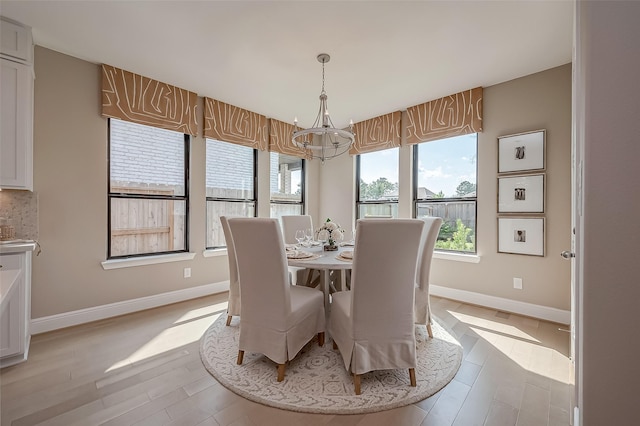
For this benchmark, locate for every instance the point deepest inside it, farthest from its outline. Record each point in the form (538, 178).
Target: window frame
(357, 189)
(303, 190)
(417, 201)
(139, 196)
(253, 200)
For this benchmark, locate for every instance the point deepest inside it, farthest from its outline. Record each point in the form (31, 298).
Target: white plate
(347, 254)
(297, 254)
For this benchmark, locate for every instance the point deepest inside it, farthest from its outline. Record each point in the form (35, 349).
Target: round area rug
(316, 380)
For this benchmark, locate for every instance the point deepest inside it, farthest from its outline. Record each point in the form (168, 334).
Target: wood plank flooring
(145, 369)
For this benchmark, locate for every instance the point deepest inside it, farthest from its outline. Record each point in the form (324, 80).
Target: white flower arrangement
(332, 231)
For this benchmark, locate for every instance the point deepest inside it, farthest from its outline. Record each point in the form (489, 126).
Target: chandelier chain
(323, 77)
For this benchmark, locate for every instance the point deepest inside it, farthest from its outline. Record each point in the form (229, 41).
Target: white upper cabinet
(16, 88)
(16, 41)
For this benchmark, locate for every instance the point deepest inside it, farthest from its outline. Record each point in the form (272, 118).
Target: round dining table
(324, 261)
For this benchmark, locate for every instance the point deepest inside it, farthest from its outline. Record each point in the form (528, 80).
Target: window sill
(147, 260)
(457, 257)
(214, 252)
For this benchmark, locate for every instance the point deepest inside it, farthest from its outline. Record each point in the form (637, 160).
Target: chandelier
(323, 140)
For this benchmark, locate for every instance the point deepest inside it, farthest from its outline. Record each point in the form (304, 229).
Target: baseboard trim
(82, 316)
(508, 305)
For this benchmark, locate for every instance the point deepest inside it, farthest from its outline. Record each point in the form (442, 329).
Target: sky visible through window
(442, 166)
(296, 180)
(445, 163)
(380, 164)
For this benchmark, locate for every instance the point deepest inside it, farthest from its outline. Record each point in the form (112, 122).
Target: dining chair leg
(334, 345)
(412, 377)
(309, 277)
(281, 368)
(356, 383)
(312, 282)
(321, 338)
(229, 320)
(429, 330)
(240, 357)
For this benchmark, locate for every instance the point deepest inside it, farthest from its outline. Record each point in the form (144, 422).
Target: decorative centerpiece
(330, 232)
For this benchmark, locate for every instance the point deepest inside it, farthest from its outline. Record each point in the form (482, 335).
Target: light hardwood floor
(145, 369)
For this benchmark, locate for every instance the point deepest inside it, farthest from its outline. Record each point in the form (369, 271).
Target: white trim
(508, 305)
(82, 316)
(214, 252)
(456, 257)
(68, 319)
(146, 260)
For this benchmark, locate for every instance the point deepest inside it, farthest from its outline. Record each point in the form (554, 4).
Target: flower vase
(331, 246)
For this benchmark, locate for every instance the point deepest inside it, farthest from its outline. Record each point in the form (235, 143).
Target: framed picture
(521, 152)
(521, 194)
(521, 235)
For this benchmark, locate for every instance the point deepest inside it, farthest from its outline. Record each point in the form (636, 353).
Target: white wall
(607, 69)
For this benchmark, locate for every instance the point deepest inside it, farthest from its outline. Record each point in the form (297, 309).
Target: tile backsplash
(20, 209)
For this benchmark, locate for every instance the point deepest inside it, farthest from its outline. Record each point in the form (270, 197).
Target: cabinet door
(16, 145)
(12, 324)
(16, 40)
(12, 319)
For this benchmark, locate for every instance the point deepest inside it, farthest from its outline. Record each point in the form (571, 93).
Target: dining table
(323, 261)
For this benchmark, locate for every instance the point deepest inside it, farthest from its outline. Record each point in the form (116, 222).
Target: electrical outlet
(517, 283)
(187, 272)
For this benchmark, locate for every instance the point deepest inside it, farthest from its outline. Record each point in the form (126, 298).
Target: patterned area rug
(316, 380)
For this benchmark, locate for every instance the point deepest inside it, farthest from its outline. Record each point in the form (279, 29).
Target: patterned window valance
(139, 99)
(453, 115)
(280, 134)
(229, 123)
(377, 133)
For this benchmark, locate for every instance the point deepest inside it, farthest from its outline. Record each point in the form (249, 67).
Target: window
(148, 190)
(231, 182)
(287, 185)
(377, 192)
(445, 176)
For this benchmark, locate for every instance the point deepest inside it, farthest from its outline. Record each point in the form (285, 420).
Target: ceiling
(261, 55)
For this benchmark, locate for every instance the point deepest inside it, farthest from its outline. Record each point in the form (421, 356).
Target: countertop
(17, 246)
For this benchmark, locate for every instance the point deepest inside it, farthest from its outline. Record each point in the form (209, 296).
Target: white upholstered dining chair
(422, 307)
(372, 324)
(291, 224)
(233, 305)
(278, 319)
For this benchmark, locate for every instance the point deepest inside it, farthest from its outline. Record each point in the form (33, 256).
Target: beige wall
(70, 176)
(538, 101)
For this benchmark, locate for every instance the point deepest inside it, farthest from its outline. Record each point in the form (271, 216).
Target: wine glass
(323, 236)
(300, 236)
(308, 236)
